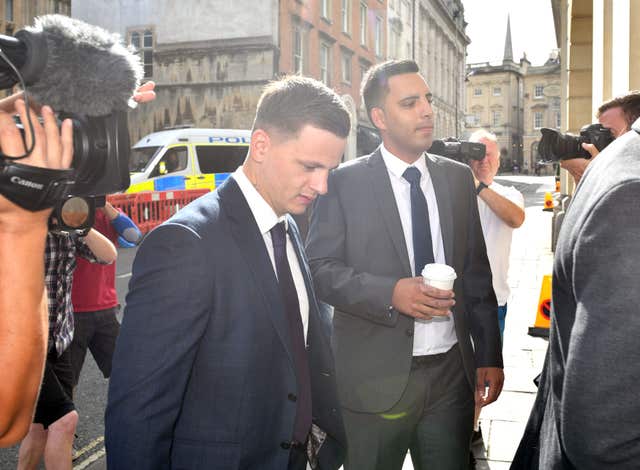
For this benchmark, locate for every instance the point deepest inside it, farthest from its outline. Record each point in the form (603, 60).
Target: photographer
(617, 115)
(23, 310)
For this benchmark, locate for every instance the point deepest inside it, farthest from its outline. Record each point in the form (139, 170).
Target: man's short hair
(375, 84)
(291, 103)
(483, 134)
(630, 104)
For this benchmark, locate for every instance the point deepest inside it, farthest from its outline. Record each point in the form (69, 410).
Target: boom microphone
(72, 66)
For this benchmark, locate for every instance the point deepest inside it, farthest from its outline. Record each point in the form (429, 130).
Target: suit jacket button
(409, 332)
(285, 445)
(292, 397)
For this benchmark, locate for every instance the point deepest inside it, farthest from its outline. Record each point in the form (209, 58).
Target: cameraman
(23, 301)
(23, 307)
(617, 114)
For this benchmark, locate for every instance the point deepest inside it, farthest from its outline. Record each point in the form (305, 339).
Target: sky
(532, 29)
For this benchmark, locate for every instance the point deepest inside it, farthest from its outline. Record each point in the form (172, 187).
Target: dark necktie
(422, 245)
(296, 334)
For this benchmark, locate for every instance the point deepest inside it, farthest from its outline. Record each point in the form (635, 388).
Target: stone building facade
(542, 105)
(514, 100)
(16, 14)
(211, 59)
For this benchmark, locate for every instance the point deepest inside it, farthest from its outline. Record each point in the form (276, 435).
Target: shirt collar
(397, 167)
(264, 214)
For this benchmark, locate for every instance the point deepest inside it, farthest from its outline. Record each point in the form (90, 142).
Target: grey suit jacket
(587, 407)
(357, 253)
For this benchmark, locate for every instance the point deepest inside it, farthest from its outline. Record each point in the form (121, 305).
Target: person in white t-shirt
(501, 210)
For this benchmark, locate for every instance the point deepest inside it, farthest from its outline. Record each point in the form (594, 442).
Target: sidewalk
(503, 421)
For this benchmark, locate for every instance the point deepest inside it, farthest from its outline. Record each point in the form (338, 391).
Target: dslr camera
(555, 146)
(459, 150)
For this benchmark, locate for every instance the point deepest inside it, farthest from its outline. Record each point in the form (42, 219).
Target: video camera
(459, 150)
(555, 146)
(87, 75)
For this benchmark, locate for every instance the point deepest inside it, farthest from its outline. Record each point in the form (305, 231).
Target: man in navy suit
(223, 359)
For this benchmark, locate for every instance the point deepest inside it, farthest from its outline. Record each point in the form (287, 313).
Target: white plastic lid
(439, 271)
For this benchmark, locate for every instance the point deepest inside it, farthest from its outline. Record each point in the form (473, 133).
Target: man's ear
(260, 144)
(378, 118)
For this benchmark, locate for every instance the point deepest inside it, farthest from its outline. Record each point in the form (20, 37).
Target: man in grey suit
(406, 365)
(223, 361)
(587, 413)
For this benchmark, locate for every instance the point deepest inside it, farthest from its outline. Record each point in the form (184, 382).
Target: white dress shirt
(430, 336)
(266, 219)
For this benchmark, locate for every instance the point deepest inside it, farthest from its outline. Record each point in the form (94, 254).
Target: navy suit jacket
(203, 374)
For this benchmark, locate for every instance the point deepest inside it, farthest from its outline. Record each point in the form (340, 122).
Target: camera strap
(33, 188)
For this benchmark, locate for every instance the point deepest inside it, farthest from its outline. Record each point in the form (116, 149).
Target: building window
(363, 71)
(477, 92)
(363, 24)
(497, 91)
(378, 37)
(496, 118)
(537, 119)
(8, 10)
(345, 13)
(346, 67)
(143, 40)
(538, 91)
(325, 9)
(299, 48)
(558, 119)
(325, 63)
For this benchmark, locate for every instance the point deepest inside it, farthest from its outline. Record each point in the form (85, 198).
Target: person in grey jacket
(587, 414)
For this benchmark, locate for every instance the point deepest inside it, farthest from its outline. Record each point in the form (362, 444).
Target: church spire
(508, 49)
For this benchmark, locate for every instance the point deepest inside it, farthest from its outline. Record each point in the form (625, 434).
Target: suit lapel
(388, 208)
(443, 196)
(246, 234)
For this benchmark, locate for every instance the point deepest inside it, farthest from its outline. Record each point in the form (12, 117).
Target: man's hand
(489, 384)
(411, 297)
(577, 166)
(53, 149)
(145, 93)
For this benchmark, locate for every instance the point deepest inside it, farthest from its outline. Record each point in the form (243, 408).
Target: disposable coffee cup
(440, 276)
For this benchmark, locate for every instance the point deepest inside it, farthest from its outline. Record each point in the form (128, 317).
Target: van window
(220, 158)
(140, 158)
(175, 159)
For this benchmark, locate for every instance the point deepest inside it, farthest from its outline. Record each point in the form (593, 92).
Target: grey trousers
(433, 420)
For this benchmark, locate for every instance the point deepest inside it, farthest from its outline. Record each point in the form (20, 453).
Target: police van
(186, 158)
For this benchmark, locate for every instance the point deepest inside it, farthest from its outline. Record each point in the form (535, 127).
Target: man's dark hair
(289, 104)
(630, 104)
(375, 84)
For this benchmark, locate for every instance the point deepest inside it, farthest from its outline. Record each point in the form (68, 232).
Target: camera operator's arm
(23, 306)
(509, 212)
(101, 248)
(577, 166)
(125, 227)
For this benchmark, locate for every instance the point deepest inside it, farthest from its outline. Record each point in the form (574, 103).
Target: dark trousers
(433, 419)
(96, 331)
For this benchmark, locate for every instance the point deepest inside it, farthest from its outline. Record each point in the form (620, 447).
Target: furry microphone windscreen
(89, 70)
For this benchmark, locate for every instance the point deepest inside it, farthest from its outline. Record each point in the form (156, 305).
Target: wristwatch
(480, 187)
